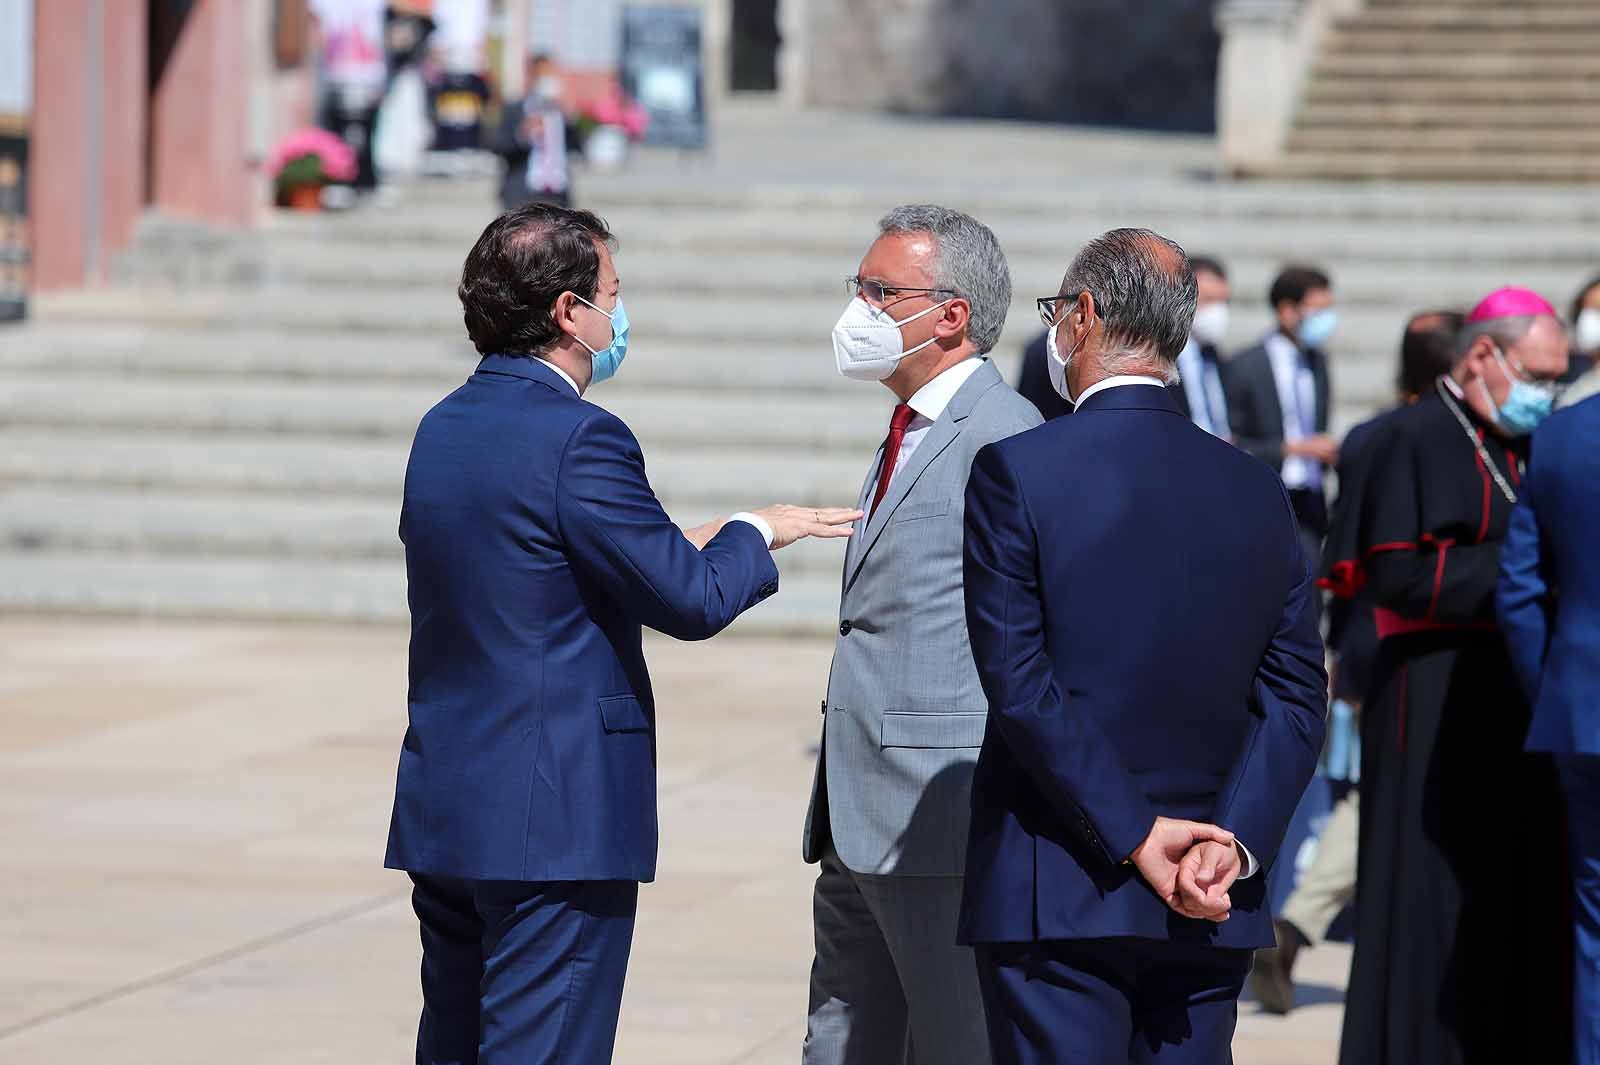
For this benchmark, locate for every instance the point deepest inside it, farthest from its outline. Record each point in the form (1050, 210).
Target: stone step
(691, 230)
(1528, 42)
(648, 268)
(851, 421)
(1034, 199)
(1424, 114)
(1485, 62)
(296, 589)
(1388, 165)
(694, 484)
(57, 519)
(1323, 87)
(1501, 16)
(1490, 140)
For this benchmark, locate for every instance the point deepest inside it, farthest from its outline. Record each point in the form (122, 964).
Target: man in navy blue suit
(1143, 621)
(1548, 600)
(525, 808)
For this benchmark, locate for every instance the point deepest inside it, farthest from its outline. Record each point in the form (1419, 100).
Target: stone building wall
(1146, 63)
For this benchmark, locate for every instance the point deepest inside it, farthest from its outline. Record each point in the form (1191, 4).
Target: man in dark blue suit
(525, 809)
(1548, 600)
(1142, 617)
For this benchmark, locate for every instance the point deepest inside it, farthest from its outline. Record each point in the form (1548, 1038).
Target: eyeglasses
(1048, 305)
(877, 292)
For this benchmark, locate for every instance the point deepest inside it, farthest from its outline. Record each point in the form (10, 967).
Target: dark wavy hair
(1427, 350)
(522, 261)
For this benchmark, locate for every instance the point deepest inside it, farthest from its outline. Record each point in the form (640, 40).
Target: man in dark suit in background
(1548, 602)
(525, 805)
(533, 141)
(1278, 396)
(1142, 619)
(1201, 392)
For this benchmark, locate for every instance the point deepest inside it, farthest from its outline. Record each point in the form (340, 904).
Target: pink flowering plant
(310, 157)
(614, 109)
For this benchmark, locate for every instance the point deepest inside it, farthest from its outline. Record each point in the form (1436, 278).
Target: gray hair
(1144, 292)
(1506, 332)
(967, 261)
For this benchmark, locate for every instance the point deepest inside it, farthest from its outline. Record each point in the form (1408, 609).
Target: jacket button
(845, 627)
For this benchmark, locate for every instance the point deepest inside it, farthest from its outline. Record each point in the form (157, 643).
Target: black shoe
(1272, 977)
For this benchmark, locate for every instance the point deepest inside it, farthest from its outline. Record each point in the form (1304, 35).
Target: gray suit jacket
(905, 714)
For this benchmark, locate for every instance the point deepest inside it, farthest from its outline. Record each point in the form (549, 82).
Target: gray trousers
(889, 984)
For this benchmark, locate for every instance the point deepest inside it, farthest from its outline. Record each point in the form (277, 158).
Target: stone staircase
(1472, 89)
(224, 432)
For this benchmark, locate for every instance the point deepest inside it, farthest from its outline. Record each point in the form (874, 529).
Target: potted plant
(305, 161)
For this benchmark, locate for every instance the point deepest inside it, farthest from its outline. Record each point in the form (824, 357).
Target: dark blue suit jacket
(535, 550)
(1142, 618)
(1549, 591)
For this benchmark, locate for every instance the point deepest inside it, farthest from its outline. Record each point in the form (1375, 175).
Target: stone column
(1268, 48)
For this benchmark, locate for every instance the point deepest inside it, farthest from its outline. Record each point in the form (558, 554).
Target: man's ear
(564, 313)
(954, 318)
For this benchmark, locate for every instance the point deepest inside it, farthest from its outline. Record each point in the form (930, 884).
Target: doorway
(754, 41)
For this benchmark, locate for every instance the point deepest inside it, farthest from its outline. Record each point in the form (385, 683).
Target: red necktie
(891, 451)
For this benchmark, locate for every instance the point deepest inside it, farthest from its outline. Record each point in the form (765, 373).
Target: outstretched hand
(1167, 848)
(796, 523)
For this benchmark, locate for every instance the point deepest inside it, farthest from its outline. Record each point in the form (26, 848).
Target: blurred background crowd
(230, 234)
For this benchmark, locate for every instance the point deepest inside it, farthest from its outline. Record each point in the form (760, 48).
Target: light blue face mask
(1317, 327)
(609, 359)
(1526, 405)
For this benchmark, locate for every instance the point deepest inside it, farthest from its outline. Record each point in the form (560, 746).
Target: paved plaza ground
(192, 822)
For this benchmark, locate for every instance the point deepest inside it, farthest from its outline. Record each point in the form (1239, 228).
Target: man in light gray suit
(905, 713)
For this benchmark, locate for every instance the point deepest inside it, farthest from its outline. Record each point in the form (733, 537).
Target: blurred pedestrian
(1457, 954)
(1279, 396)
(1328, 884)
(1549, 606)
(460, 100)
(354, 76)
(533, 141)
(1155, 686)
(904, 714)
(1200, 391)
(1584, 373)
(536, 553)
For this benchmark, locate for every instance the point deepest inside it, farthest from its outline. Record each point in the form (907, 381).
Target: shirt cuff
(1251, 866)
(760, 526)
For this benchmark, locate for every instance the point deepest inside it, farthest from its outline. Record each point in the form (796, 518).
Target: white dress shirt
(1297, 398)
(1251, 866)
(754, 520)
(929, 402)
(1202, 387)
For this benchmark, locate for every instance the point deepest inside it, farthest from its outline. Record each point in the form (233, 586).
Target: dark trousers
(519, 973)
(1111, 1001)
(1580, 784)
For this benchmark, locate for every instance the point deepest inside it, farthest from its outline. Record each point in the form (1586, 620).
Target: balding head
(1143, 292)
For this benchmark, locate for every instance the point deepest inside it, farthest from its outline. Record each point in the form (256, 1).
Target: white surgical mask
(866, 342)
(1211, 324)
(1586, 332)
(1057, 366)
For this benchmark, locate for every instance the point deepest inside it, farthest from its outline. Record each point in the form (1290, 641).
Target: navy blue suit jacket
(1142, 618)
(1549, 592)
(535, 550)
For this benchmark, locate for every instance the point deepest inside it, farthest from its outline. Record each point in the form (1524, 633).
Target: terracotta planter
(306, 197)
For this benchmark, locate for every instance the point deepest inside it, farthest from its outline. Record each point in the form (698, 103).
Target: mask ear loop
(914, 317)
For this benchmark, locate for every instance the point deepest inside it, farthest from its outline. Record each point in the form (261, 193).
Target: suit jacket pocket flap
(905, 729)
(622, 713)
(922, 510)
